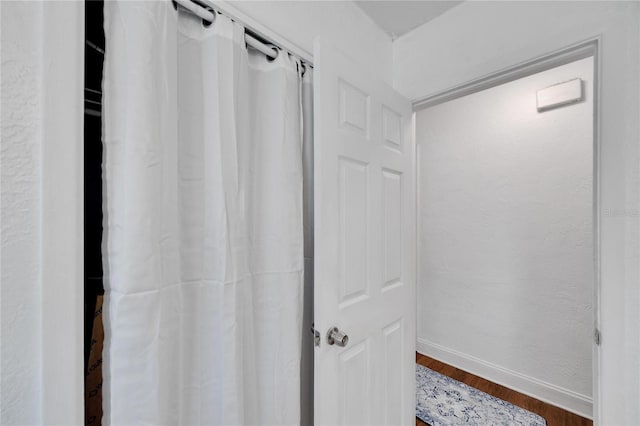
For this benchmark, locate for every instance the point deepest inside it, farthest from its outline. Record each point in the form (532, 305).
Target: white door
(364, 246)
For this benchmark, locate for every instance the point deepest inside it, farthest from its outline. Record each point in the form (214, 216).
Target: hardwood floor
(553, 415)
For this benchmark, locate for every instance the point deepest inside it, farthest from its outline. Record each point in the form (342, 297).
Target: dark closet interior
(93, 273)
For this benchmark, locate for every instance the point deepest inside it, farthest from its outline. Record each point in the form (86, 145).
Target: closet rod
(210, 16)
(94, 47)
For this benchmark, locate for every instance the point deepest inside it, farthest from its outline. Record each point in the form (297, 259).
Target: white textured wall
(41, 374)
(505, 242)
(20, 366)
(477, 38)
(341, 22)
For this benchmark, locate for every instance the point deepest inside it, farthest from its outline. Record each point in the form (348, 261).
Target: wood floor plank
(553, 415)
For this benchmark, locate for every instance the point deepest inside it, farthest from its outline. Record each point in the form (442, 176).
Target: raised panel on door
(391, 228)
(355, 382)
(391, 129)
(364, 246)
(354, 231)
(354, 108)
(394, 391)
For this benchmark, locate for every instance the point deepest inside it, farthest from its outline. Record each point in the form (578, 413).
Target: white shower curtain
(203, 238)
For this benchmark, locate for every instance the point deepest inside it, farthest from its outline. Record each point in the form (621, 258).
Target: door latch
(316, 336)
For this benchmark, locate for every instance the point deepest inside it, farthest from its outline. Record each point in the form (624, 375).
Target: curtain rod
(199, 10)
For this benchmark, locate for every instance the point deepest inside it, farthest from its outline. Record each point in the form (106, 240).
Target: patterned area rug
(440, 401)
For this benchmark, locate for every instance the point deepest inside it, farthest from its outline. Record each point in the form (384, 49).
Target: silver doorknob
(337, 337)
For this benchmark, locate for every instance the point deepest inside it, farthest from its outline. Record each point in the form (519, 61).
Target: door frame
(62, 214)
(588, 48)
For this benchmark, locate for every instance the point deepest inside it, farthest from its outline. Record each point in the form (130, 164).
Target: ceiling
(399, 17)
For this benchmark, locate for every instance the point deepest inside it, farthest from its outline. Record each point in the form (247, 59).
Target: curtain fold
(203, 241)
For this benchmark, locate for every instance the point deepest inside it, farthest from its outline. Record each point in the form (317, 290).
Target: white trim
(597, 228)
(554, 59)
(62, 214)
(228, 9)
(547, 392)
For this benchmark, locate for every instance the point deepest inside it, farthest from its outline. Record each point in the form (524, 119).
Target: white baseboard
(552, 394)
